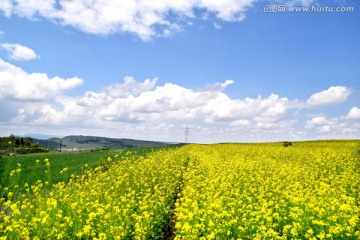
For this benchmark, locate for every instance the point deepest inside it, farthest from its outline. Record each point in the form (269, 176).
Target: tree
(27, 141)
(12, 138)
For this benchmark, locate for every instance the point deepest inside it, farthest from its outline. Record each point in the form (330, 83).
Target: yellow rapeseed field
(266, 191)
(127, 200)
(227, 191)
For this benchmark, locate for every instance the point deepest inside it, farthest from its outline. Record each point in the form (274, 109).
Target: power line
(186, 134)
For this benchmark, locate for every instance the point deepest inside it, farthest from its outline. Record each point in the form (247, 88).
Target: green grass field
(34, 168)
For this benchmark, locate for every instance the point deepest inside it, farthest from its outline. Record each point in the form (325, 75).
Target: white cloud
(218, 86)
(18, 52)
(335, 127)
(27, 8)
(241, 123)
(136, 109)
(18, 85)
(172, 102)
(6, 7)
(133, 102)
(222, 109)
(319, 120)
(321, 123)
(48, 114)
(325, 129)
(354, 114)
(130, 87)
(228, 10)
(333, 95)
(146, 19)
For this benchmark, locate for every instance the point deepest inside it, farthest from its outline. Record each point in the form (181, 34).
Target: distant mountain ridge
(93, 142)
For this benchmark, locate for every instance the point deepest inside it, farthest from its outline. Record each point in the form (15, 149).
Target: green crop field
(307, 190)
(33, 166)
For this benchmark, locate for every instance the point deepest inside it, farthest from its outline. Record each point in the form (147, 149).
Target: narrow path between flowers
(169, 229)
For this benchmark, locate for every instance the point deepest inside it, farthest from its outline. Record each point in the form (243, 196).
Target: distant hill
(92, 142)
(40, 136)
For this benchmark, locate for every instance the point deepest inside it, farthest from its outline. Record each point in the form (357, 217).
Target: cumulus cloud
(172, 102)
(130, 87)
(134, 102)
(19, 85)
(138, 108)
(354, 114)
(318, 120)
(146, 19)
(209, 106)
(18, 52)
(335, 127)
(6, 7)
(333, 95)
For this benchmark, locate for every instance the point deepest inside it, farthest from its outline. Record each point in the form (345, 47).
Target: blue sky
(146, 71)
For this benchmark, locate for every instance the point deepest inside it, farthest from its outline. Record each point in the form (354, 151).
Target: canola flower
(130, 199)
(225, 191)
(266, 191)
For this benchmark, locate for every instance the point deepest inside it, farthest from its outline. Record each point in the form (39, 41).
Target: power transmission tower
(186, 134)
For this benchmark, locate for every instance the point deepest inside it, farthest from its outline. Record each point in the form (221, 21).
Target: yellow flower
(353, 221)
(79, 234)
(102, 236)
(9, 229)
(252, 191)
(87, 229)
(321, 235)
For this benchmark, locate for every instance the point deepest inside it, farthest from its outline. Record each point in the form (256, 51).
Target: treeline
(20, 145)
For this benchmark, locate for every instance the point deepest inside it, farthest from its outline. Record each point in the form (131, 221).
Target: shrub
(287, 144)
